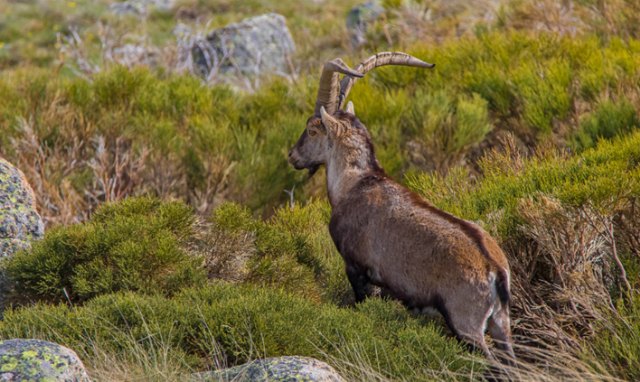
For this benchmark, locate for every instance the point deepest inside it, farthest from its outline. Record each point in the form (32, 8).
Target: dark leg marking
(359, 282)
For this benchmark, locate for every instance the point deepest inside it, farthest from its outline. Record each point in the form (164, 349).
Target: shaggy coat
(390, 237)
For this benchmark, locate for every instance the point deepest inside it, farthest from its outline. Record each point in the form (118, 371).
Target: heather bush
(135, 245)
(292, 250)
(446, 128)
(608, 120)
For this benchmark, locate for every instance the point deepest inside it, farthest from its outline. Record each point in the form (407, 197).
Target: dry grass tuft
(562, 275)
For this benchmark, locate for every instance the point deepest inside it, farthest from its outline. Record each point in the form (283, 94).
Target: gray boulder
(36, 360)
(254, 46)
(20, 223)
(359, 18)
(278, 369)
(140, 7)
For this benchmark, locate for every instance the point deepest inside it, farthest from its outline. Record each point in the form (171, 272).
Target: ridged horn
(329, 88)
(380, 59)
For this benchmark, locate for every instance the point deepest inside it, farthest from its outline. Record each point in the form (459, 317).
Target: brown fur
(390, 237)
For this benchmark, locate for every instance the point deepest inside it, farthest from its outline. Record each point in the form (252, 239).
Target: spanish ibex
(388, 235)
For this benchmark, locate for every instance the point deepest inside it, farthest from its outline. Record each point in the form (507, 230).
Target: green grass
(232, 324)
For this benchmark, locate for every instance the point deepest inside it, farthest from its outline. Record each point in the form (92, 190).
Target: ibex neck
(343, 177)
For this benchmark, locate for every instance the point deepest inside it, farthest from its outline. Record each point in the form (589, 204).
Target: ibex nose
(290, 152)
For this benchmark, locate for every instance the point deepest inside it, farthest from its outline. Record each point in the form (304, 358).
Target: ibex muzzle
(389, 236)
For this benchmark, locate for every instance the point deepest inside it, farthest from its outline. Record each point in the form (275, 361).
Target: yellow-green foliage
(177, 137)
(292, 250)
(608, 120)
(134, 245)
(604, 177)
(232, 324)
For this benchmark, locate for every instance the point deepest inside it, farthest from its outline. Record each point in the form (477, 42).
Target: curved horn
(380, 59)
(330, 86)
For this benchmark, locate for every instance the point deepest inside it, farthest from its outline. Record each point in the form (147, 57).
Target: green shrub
(292, 250)
(241, 323)
(136, 245)
(448, 126)
(544, 93)
(601, 177)
(607, 121)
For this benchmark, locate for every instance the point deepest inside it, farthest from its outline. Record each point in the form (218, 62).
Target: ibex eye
(311, 133)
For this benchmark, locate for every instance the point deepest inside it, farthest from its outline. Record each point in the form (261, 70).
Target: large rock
(36, 360)
(20, 223)
(254, 46)
(279, 369)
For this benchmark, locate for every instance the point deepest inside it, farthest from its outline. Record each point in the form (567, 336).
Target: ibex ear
(350, 108)
(332, 124)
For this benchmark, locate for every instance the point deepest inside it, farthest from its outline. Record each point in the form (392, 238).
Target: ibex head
(328, 121)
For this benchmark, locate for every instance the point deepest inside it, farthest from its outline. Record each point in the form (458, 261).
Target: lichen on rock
(20, 223)
(277, 369)
(37, 360)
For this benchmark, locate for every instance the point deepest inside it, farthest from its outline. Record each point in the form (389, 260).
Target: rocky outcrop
(254, 46)
(36, 360)
(279, 369)
(20, 223)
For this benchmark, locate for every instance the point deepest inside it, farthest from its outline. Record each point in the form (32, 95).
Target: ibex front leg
(359, 282)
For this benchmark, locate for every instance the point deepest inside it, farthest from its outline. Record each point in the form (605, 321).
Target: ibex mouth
(313, 169)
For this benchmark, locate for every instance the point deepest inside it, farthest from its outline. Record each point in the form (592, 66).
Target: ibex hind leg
(477, 342)
(468, 319)
(499, 327)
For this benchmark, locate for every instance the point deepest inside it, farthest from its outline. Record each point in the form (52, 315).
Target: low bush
(137, 244)
(607, 121)
(445, 128)
(291, 250)
(225, 325)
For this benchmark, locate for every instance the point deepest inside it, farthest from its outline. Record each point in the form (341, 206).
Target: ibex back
(388, 235)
